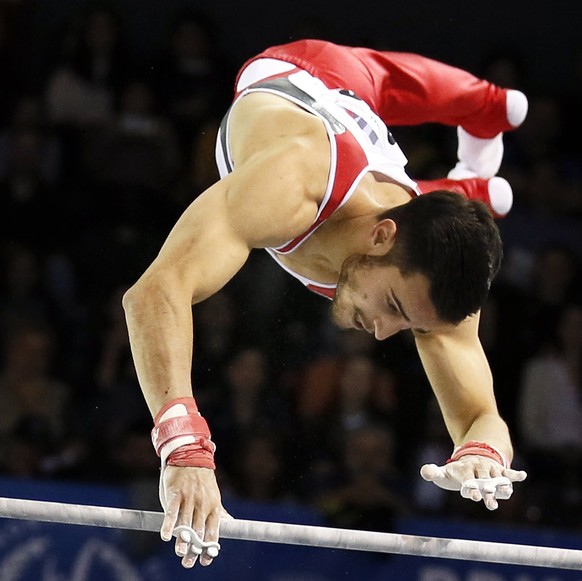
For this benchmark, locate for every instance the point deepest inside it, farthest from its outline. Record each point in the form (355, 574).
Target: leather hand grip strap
(479, 449)
(181, 436)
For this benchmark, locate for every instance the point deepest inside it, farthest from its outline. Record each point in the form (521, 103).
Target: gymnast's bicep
(252, 208)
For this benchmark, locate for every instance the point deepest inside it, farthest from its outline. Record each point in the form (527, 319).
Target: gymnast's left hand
(476, 477)
(192, 499)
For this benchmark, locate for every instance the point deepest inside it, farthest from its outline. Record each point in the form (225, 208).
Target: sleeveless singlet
(359, 142)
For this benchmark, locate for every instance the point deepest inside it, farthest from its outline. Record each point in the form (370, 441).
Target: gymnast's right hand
(188, 490)
(191, 498)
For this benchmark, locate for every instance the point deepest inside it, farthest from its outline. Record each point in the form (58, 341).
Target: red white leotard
(356, 92)
(359, 143)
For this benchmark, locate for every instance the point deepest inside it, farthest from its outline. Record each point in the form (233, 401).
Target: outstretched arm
(262, 203)
(461, 379)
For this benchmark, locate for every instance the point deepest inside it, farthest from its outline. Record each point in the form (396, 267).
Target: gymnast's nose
(385, 327)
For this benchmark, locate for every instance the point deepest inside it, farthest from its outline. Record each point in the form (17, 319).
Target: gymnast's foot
(495, 192)
(482, 157)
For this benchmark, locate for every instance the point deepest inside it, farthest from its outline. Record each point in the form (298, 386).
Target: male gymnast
(311, 173)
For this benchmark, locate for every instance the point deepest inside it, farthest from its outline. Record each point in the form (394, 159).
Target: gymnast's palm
(190, 497)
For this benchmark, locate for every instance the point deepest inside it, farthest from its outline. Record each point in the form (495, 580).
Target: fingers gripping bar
(196, 544)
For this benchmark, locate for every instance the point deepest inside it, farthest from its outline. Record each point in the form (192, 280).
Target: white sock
(477, 157)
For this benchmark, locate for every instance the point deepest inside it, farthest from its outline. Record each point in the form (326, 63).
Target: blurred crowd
(99, 155)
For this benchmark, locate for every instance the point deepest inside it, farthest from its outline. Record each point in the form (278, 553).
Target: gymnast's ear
(382, 237)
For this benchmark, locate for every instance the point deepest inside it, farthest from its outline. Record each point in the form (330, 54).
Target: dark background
(298, 409)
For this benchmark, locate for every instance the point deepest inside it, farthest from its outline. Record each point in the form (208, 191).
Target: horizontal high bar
(304, 535)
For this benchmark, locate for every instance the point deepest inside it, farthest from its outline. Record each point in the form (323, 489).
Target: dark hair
(452, 241)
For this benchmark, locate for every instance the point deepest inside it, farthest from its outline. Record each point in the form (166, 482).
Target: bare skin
(281, 156)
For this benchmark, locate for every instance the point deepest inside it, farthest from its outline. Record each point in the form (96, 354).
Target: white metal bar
(312, 536)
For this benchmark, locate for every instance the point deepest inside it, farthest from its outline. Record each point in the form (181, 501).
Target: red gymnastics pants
(407, 89)
(402, 88)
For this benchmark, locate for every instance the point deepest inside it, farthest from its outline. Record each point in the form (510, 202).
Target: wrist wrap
(181, 436)
(479, 449)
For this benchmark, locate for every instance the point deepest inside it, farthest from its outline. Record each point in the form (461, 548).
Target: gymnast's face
(380, 300)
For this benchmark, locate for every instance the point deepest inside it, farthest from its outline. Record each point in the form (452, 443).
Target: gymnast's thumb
(431, 472)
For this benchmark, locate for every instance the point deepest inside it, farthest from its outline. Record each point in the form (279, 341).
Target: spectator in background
(367, 393)
(551, 393)
(132, 158)
(555, 281)
(82, 88)
(26, 449)
(367, 491)
(260, 472)
(114, 345)
(520, 313)
(364, 394)
(548, 191)
(434, 443)
(318, 387)
(550, 412)
(114, 406)
(34, 405)
(129, 461)
(198, 170)
(190, 77)
(26, 385)
(25, 194)
(248, 401)
(22, 292)
(217, 337)
(27, 114)
(41, 288)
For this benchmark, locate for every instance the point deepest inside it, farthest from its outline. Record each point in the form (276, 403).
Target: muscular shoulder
(261, 118)
(261, 123)
(281, 156)
(274, 195)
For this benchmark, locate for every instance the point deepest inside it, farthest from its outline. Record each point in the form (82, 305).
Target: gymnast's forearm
(159, 321)
(465, 392)
(473, 414)
(461, 379)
